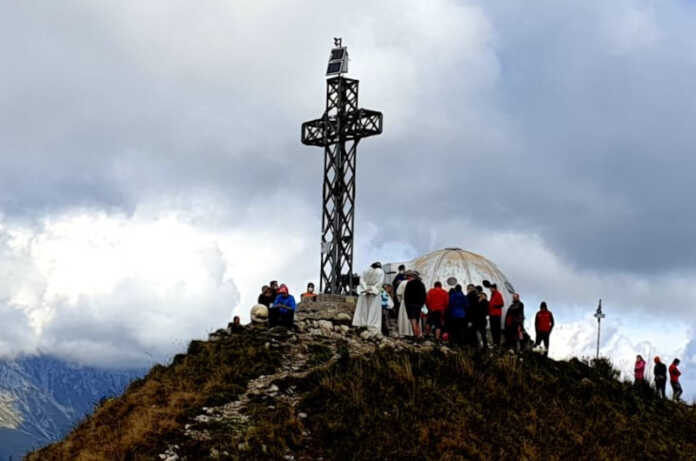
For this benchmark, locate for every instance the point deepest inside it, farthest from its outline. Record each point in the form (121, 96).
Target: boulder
(259, 313)
(343, 317)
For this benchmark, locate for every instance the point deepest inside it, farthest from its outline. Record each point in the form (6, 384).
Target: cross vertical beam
(339, 131)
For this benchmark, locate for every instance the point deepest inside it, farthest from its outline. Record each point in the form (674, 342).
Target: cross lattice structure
(339, 131)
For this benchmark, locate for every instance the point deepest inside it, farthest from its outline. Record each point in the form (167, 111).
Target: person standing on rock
(674, 375)
(368, 310)
(387, 307)
(282, 311)
(437, 301)
(459, 312)
(543, 324)
(477, 316)
(495, 311)
(481, 309)
(660, 374)
(396, 283)
(400, 277)
(414, 300)
(639, 370)
(514, 321)
(403, 323)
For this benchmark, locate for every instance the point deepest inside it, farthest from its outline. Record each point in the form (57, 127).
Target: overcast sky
(152, 178)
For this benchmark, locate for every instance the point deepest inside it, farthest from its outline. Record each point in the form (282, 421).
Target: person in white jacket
(368, 311)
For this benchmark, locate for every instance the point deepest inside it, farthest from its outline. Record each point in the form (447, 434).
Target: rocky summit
(325, 390)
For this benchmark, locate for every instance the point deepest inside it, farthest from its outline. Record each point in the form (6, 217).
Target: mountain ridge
(326, 390)
(42, 397)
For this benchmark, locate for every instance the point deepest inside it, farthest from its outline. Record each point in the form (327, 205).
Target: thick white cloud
(116, 289)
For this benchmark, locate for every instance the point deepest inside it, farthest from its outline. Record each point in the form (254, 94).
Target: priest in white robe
(404, 324)
(368, 311)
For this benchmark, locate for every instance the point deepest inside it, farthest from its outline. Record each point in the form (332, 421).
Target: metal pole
(599, 315)
(599, 330)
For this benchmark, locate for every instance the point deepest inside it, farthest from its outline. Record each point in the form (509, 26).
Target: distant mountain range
(42, 398)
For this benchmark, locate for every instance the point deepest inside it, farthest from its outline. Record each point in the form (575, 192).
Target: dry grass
(389, 405)
(137, 425)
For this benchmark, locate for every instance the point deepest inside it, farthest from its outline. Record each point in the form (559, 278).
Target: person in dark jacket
(543, 324)
(476, 317)
(458, 310)
(414, 300)
(274, 288)
(266, 297)
(483, 309)
(674, 375)
(514, 321)
(400, 277)
(660, 374)
(236, 325)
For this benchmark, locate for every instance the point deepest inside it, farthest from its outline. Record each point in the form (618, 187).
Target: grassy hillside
(325, 392)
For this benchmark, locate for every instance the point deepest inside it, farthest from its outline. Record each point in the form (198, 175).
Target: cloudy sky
(152, 178)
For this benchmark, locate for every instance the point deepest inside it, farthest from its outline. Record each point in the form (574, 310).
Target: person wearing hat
(282, 311)
(495, 311)
(674, 375)
(368, 310)
(660, 374)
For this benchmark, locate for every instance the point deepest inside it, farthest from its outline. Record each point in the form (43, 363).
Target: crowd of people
(280, 303)
(660, 371)
(456, 316)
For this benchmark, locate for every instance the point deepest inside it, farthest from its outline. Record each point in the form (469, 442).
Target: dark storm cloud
(597, 125)
(571, 122)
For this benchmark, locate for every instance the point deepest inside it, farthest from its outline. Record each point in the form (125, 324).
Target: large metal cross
(338, 131)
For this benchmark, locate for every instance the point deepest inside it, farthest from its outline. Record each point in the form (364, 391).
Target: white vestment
(404, 324)
(368, 311)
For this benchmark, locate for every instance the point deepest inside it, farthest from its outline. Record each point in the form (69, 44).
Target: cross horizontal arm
(358, 124)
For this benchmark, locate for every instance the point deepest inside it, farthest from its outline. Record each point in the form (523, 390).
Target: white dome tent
(453, 266)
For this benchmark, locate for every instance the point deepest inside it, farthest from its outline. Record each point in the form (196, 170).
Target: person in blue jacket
(282, 311)
(458, 310)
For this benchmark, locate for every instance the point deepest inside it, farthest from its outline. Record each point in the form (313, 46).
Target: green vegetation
(412, 404)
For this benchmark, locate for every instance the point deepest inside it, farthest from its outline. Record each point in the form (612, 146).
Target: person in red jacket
(639, 369)
(674, 375)
(543, 324)
(495, 310)
(437, 300)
